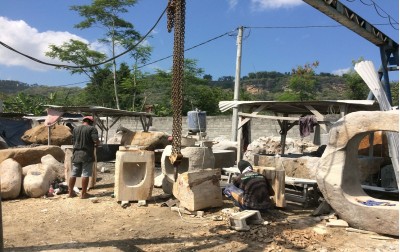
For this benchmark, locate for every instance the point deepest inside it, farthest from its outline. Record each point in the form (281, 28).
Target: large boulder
(11, 179)
(60, 135)
(32, 155)
(26, 169)
(147, 140)
(37, 181)
(294, 165)
(53, 164)
(272, 146)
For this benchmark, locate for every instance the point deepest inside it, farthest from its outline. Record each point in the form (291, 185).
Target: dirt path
(64, 224)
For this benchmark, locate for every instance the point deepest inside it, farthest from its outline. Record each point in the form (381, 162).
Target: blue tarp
(11, 130)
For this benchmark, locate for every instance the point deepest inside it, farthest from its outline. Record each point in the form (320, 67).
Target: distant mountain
(13, 87)
(260, 85)
(269, 85)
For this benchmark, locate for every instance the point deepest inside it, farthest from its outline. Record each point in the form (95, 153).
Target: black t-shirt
(256, 190)
(84, 137)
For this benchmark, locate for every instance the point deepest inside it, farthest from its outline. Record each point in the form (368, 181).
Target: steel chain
(176, 19)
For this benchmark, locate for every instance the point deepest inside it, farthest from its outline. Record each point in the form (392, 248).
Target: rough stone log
(339, 179)
(32, 155)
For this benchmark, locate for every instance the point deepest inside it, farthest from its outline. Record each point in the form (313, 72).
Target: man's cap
(88, 118)
(243, 164)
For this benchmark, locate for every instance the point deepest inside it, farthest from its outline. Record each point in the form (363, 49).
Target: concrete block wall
(217, 126)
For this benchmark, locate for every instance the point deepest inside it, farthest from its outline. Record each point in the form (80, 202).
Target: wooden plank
(255, 112)
(277, 179)
(269, 117)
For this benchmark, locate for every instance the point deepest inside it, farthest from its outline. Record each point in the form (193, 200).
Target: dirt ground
(71, 224)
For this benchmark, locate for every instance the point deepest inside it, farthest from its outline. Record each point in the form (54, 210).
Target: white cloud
(232, 3)
(342, 71)
(28, 40)
(260, 5)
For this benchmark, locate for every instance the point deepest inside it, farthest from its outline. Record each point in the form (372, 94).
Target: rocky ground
(64, 224)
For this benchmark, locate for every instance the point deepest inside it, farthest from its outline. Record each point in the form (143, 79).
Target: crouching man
(250, 190)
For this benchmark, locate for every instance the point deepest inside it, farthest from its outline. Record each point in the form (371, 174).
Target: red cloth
(52, 117)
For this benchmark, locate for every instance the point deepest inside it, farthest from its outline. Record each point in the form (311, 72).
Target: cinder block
(134, 175)
(240, 221)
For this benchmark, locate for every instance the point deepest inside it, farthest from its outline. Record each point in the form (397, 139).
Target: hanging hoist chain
(176, 19)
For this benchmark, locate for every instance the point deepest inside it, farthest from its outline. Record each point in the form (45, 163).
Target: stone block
(198, 190)
(134, 175)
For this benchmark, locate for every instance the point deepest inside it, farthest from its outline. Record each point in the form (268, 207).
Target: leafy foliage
(155, 89)
(302, 84)
(106, 15)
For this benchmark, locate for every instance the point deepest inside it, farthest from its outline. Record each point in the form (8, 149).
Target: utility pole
(237, 84)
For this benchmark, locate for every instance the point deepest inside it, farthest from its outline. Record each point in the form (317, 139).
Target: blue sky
(31, 26)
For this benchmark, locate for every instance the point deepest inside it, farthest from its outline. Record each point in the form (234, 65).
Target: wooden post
(49, 135)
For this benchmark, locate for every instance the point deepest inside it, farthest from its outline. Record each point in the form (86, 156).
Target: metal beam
(340, 13)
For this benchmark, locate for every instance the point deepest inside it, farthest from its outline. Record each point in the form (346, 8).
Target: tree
(79, 53)
(104, 14)
(356, 89)
(27, 104)
(140, 55)
(208, 77)
(302, 83)
(394, 88)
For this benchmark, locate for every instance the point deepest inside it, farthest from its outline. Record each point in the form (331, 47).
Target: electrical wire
(378, 10)
(230, 33)
(190, 48)
(91, 65)
(71, 84)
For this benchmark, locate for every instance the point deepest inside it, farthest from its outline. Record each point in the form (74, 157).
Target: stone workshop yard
(70, 224)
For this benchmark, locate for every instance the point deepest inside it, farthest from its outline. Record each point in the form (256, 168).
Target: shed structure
(288, 114)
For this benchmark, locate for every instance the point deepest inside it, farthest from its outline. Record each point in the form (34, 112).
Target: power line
(72, 84)
(251, 27)
(92, 65)
(378, 10)
(301, 26)
(190, 48)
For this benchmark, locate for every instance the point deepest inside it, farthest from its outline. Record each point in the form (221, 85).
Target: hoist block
(175, 158)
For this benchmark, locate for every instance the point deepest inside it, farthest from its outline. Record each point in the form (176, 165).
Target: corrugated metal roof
(100, 111)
